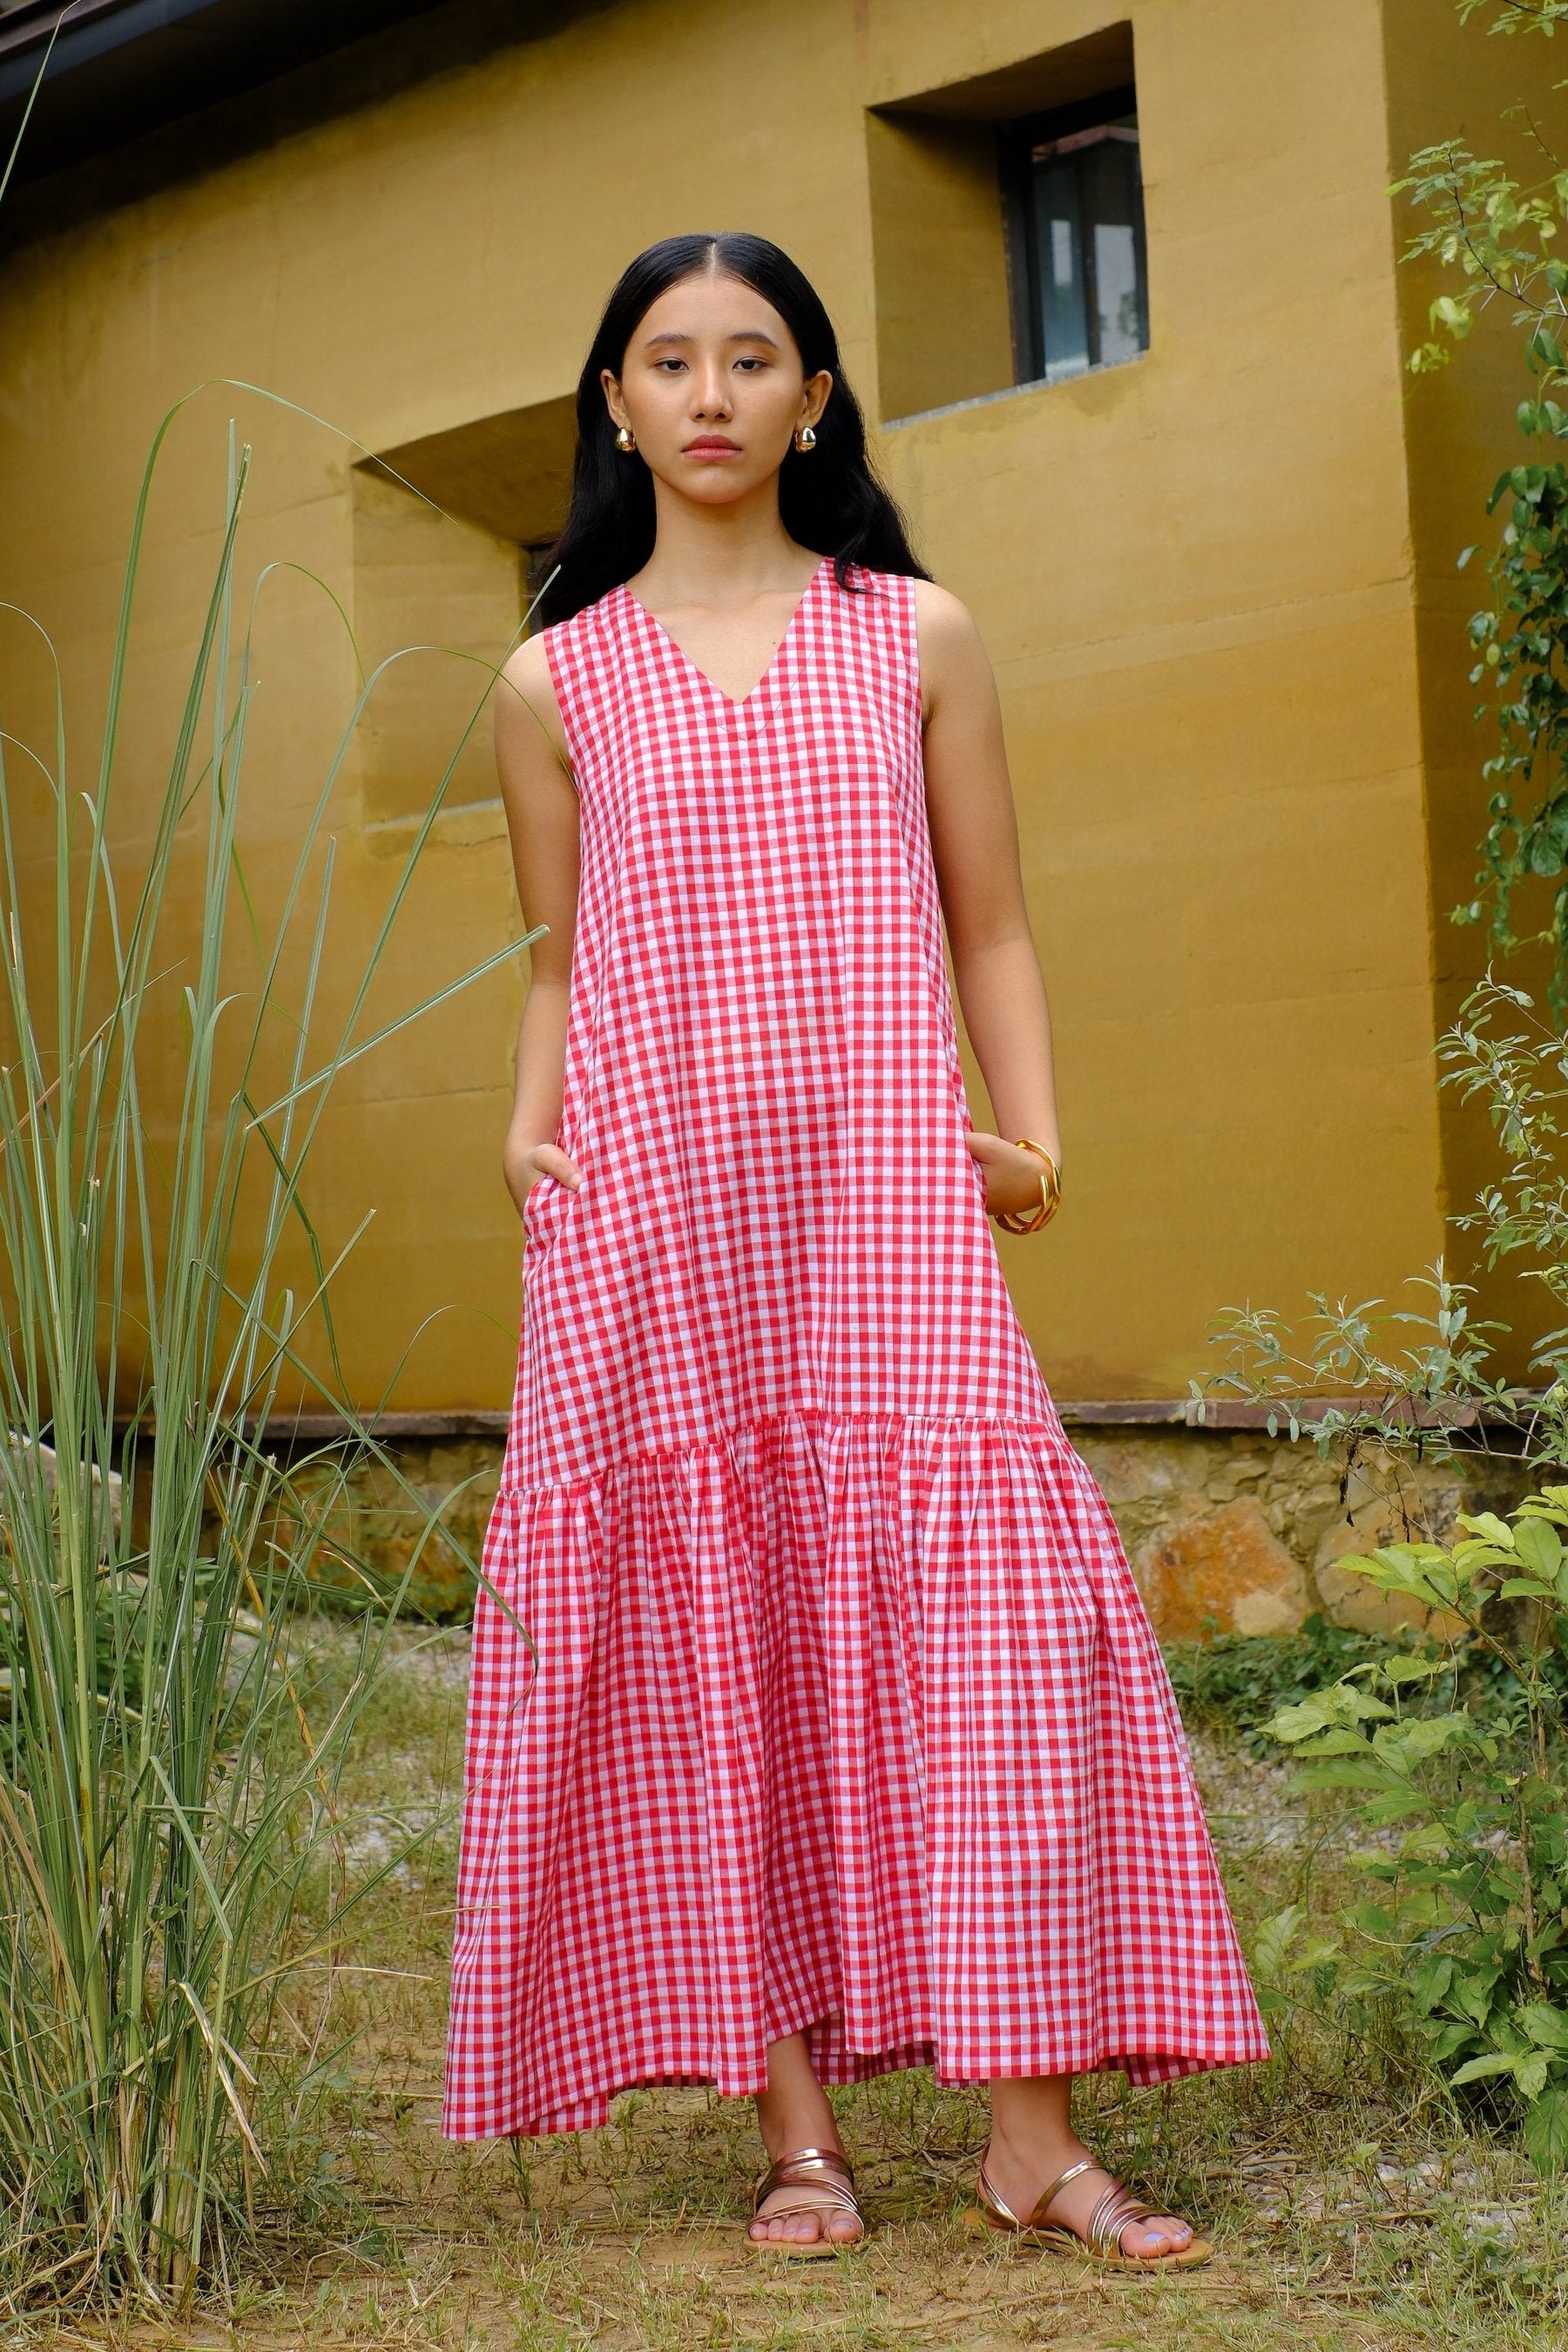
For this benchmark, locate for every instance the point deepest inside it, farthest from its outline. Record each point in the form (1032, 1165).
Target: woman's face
(711, 386)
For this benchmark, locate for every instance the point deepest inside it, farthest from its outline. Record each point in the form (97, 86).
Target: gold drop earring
(624, 441)
(805, 438)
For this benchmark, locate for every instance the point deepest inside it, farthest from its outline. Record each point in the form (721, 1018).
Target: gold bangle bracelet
(1010, 1219)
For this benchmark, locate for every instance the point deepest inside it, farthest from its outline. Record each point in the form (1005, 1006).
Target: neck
(719, 556)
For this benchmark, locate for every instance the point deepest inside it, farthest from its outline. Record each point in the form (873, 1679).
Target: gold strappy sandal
(808, 2168)
(1101, 2243)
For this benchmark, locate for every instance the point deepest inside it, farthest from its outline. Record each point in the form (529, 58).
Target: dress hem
(592, 2112)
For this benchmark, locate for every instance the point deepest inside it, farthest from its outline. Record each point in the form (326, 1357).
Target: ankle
(1041, 2146)
(785, 2124)
(787, 2137)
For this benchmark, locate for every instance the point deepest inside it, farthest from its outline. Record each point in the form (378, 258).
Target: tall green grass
(173, 1875)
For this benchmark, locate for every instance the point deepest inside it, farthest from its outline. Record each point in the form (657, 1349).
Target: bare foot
(1018, 2174)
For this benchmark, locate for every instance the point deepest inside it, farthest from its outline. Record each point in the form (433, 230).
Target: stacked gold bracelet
(1011, 1219)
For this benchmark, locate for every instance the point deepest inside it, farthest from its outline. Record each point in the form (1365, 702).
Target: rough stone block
(1223, 1569)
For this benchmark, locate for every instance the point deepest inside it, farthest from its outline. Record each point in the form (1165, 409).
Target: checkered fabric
(837, 1708)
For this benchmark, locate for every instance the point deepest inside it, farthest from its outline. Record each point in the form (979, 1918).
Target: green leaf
(1546, 2130)
(1472, 1993)
(1274, 1938)
(1430, 1980)
(1543, 351)
(1538, 1546)
(1545, 2025)
(1487, 1524)
(1405, 1745)
(1413, 1670)
(1497, 2062)
(1400, 1799)
(1532, 2073)
(1335, 1743)
(1342, 1704)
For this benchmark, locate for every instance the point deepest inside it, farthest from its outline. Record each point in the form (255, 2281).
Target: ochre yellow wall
(1196, 574)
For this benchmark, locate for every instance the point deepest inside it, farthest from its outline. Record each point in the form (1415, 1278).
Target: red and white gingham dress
(839, 1708)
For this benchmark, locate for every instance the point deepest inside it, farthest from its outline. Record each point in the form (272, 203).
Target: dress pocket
(549, 1204)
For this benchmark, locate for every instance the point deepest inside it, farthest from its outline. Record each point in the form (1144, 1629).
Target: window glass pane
(1110, 208)
(1075, 212)
(1058, 246)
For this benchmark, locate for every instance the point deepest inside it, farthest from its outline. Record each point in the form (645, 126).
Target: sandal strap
(809, 2168)
(990, 2195)
(1116, 2210)
(1047, 2196)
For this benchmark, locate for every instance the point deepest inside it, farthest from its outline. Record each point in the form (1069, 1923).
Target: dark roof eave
(119, 69)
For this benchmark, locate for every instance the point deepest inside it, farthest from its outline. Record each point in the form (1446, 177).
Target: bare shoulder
(953, 660)
(528, 715)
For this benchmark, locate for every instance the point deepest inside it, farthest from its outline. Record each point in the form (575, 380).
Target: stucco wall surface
(1195, 571)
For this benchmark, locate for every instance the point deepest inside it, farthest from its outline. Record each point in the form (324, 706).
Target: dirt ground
(1349, 2209)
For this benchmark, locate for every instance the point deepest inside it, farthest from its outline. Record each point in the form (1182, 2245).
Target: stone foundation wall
(1234, 1531)
(1228, 1531)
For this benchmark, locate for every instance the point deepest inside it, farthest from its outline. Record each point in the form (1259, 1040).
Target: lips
(712, 444)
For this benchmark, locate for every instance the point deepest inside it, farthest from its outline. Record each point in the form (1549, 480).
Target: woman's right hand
(525, 1163)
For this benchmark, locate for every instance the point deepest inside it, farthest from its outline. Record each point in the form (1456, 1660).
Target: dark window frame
(1016, 143)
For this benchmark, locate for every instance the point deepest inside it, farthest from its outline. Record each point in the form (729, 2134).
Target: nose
(711, 391)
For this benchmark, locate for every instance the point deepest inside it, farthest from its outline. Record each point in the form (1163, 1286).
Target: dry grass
(1347, 2211)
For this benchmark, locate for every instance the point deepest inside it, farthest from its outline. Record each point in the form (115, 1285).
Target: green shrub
(1466, 1930)
(1236, 1681)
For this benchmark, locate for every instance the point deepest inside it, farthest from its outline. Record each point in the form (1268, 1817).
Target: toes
(1162, 2235)
(798, 2224)
(801, 2224)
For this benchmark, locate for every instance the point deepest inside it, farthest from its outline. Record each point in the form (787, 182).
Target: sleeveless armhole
(564, 658)
(912, 670)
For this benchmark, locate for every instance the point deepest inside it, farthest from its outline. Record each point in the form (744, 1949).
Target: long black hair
(829, 497)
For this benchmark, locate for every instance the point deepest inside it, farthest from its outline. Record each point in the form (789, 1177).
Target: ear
(613, 401)
(814, 397)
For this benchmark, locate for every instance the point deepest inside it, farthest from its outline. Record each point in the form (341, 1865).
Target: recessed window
(1075, 202)
(449, 536)
(1007, 227)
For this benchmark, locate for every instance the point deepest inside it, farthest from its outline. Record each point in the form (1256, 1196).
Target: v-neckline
(730, 701)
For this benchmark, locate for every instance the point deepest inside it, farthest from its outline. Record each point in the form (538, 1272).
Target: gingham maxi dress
(839, 1708)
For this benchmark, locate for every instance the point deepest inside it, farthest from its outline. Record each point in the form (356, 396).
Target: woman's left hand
(1013, 1175)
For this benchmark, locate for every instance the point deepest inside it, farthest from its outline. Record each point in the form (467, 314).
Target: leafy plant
(171, 1863)
(1240, 1681)
(1467, 1935)
(1495, 235)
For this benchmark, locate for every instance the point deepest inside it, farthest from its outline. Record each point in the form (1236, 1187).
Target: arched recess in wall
(448, 531)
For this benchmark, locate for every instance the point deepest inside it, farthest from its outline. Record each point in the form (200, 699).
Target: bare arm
(974, 844)
(542, 818)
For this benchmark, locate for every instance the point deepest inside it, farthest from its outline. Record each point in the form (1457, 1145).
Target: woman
(838, 1740)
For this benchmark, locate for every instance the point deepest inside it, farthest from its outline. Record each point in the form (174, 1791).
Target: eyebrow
(748, 335)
